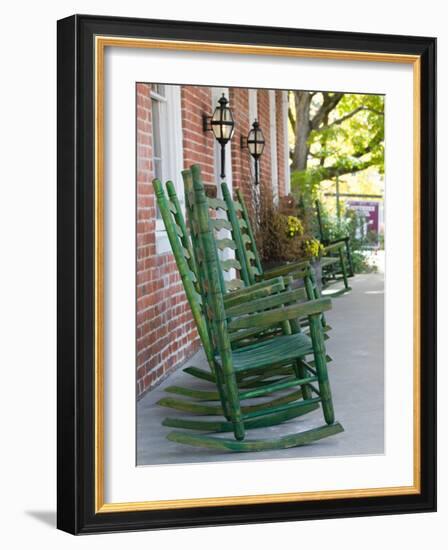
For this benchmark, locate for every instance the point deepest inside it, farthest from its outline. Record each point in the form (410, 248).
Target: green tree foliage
(334, 134)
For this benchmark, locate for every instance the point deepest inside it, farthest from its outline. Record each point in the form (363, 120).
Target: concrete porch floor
(356, 373)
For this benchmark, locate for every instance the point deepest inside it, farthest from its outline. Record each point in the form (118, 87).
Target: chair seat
(278, 350)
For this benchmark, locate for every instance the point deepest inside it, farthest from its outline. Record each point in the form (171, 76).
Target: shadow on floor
(48, 517)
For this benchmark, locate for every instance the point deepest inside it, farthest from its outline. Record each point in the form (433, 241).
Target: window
(158, 104)
(166, 147)
(285, 105)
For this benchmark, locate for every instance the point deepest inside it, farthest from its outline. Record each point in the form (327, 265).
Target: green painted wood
(178, 215)
(224, 426)
(269, 362)
(180, 229)
(344, 269)
(217, 203)
(200, 395)
(229, 264)
(300, 268)
(286, 442)
(301, 373)
(257, 290)
(200, 373)
(260, 381)
(245, 216)
(210, 377)
(183, 268)
(277, 386)
(258, 377)
(220, 223)
(233, 219)
(280, 408)
(267, 318)
(261, 304)
(187, 177)
(193, 407)
(214, 298)
(329, 244)
(234, 284)
(245, 337)
(247, 246)
(290, 397)
(222, 244)
(321, 368)
(334, 247)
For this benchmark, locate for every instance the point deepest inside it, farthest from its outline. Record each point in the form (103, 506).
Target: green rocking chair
(291, 348)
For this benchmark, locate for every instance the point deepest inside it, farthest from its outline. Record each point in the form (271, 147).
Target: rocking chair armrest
(275, 316)
(345, 239)
(285, 269)
(255, 291)
(333, 246)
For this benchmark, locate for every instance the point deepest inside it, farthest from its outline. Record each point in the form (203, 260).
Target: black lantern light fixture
(255, 143)
(222, 125)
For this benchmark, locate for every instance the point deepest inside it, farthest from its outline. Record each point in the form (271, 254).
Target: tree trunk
(302, 130)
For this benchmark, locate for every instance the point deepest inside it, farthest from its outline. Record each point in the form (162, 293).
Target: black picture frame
(76, 253)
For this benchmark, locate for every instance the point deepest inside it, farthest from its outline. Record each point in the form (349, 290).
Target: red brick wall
(198, 145)
(166, 335)
(165, 329)
(265, 159)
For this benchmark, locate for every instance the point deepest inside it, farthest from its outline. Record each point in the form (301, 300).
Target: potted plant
(283, 236)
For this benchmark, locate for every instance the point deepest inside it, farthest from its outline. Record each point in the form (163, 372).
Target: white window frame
(285, 106)
(273, 140)
(253, 106)
(171, 153)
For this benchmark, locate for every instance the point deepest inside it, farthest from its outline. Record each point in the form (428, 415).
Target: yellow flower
(295, 226)
(313, 247)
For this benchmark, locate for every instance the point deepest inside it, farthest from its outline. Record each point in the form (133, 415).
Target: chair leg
(316, 294)
(321, 368)
(301, 372)
(223, 399)
(343, 268)
(351, 271)
(233, 403)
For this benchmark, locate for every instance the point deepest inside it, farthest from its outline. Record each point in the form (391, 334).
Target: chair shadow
(48, 517)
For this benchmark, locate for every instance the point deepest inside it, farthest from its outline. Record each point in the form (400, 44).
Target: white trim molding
(172, 154)
(285, 105)
(273, 140)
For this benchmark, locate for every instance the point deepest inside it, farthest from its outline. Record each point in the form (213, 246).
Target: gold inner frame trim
(101, 42)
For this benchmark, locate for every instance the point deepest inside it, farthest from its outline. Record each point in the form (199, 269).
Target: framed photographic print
(246, 274)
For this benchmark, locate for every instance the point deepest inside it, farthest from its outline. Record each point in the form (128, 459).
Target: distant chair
(337, 262)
